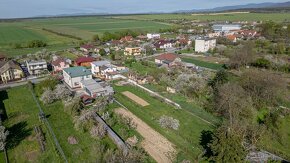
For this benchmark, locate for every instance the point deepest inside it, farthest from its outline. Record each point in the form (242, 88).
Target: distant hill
(251, 6)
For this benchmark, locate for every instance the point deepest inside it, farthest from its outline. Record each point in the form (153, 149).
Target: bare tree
(48, 96)
(232, 102)
(242, 56)
(169, 122)
(62, 92)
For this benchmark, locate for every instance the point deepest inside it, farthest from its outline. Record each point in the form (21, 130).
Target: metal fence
(113, 135)
(47, 124)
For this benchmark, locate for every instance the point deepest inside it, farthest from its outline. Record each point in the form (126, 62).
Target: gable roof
(6, 65)
(88, 46)
(84, 59)
(167, 56)
(77, 71)
(101, 63)
(58, 61)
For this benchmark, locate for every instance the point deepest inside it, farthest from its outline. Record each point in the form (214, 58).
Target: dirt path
(135, 98)
(154, 143)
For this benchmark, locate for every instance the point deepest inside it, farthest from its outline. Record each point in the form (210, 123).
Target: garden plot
(155, 144)
(135, 98)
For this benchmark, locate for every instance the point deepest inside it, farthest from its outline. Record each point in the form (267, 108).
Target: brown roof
(231, 37)
(168, 57)
(5, 65)
(58, 61)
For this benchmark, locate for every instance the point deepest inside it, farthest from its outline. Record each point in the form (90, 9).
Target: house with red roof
(163, 44)
(85, 61)
(59, 64)
(167, 58)
(126, 39)
(232, 38)
(88, 47)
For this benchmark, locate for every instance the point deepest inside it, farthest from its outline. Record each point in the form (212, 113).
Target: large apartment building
(203, 45)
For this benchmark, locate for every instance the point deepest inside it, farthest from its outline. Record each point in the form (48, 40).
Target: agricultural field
(80, 27)
(186, 138)
(277, 17)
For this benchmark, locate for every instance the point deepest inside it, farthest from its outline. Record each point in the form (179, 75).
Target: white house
(36, 67)
(95, 89)
(73, 76)
(226, 27)
(204, 44)
(132, 51)
(153, 36)
(163, 44)
(103, 69)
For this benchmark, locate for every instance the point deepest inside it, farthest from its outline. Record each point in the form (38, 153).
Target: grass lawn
(22, 115)
(186, 138)
(185, 103)
(278, 145)
(62, 124)
(142, 69)
(209, 65)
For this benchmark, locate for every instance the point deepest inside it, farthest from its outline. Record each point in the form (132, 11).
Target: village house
(203, 45)
(153, 36)
(84, 61)
(224, 28)
(10, 71)
(232, 38)
(103, 69)
(214, 35)
(184, 42)
(36, 67)
(96, 89)
(58, 64)
(140, 79)
(126, 39)
(167, 59)
(2, 57)
(73, 76)
(163, 44)
(88, 48)
(132, 51)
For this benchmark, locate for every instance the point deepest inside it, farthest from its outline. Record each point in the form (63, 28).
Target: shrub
(169, 122)
(36, 44)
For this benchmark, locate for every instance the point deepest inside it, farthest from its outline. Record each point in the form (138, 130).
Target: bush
(262, 63)
(36, 44)
(169, 122)
(49, 83)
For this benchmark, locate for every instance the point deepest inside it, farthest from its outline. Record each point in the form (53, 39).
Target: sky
(32, 8)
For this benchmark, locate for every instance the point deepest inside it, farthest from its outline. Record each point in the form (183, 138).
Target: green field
(278, 17)
(81, 27)
(23, 114)
(200, 63)
(186, 138)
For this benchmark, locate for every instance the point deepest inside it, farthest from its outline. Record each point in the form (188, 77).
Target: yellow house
(10, 71)
(132, 51)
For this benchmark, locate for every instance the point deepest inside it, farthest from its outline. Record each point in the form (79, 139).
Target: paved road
(19, 83)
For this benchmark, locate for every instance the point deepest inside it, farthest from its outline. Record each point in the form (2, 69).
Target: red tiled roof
(58, 61)
(84, 60)
(85, 97)
(169, 57)
(127, 38)
(88, 46)
(231, 37)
